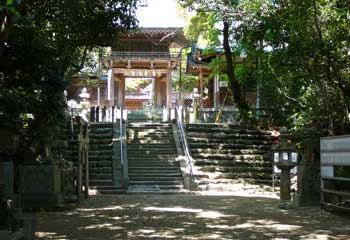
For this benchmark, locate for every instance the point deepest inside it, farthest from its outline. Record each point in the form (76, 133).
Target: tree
(227, 12)
(304, 52)
(47, 43)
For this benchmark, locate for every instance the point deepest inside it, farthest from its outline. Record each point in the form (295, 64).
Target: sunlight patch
(212, 214)
(99, 209)
(173, 209)
(105, 225)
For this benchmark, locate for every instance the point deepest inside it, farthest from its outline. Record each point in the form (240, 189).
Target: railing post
(79, 162)
(92, 114)
(113, 109)
(97, 114)
(104, 114)
(86, 160)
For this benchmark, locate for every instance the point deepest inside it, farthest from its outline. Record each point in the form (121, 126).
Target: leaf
(9, 2)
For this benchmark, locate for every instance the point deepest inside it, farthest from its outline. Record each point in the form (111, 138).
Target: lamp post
(285, 158)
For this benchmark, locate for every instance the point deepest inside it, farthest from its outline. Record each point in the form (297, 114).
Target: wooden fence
(335, 173)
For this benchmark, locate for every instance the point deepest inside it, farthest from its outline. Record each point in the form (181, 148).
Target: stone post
(285, 183)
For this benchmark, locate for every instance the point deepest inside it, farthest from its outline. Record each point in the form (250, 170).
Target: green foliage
(49, 42)
(304, 75)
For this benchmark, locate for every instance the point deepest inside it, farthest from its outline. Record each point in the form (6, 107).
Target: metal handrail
(184, 144)
(123, 158)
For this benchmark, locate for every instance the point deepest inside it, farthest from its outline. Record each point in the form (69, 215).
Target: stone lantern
(85, 98)
(285, 158)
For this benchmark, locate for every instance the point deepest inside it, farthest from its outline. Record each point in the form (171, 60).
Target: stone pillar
(120, 91)
(309, 189)
(169, 88)
(285, 184)
(110, 87)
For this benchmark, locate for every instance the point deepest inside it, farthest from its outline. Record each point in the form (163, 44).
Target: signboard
(223, 84)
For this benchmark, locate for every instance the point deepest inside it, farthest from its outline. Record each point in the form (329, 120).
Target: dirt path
(189, 217)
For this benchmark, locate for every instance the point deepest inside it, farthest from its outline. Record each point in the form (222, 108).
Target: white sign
(223, 84)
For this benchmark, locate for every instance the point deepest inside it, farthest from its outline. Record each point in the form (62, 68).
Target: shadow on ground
(189, 217)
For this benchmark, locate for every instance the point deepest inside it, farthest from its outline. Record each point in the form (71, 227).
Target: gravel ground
(189, 217)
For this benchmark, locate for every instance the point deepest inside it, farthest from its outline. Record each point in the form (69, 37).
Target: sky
(159, 13)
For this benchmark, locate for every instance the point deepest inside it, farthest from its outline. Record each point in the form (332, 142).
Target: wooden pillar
(200, 87)
(157, 96)
(169, 88)
(216, 91)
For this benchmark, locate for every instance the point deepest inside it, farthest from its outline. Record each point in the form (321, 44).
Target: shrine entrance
(149, 55)
(139, 93)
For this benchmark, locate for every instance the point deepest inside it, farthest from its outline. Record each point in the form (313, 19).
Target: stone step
(237, 169)
(100, 158)
(153, 154)
(224, 184)
(151, 141)
(133, 147)
(93, 147)
(228, 146)
(154, 169)
(100, 176)
(239, 130)
(155, 178)
(98, 152)
(133, 174)
(99, 170)
(101, 182)
(210, 162)
(152, 182)
(231, 157)
(229, 141)
(100, 141)
(152, 158)
(149, 125)
(101, 125)
(221, 135)
(111, 191)
(150, 136)
(100, 136)
(98, 164)
(251, 175)
(142, 163)
(156, 138)
(149, 129)
(227, 151)
(157, 189)
(234, 175)
(100, 131)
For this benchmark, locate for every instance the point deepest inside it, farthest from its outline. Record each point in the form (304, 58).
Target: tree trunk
(234, 84)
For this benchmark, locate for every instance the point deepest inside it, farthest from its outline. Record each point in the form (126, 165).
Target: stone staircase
(101, 160)
(152, 115)
(227, 154)
(152, 159)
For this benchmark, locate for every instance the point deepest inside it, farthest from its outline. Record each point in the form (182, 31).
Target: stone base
(4, 235)
(308, 200)
(40, 186)
(308, 184)
(41, 200)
